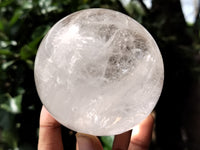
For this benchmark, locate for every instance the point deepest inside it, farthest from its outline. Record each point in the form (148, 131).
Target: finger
(87, 142)
(49, 133)
(121, 141)
(142, 138)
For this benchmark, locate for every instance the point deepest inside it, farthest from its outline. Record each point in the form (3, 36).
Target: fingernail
(84, 142)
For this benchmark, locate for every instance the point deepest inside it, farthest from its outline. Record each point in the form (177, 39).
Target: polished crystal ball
(98, 71)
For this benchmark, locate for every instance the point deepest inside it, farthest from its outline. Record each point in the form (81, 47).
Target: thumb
(87, 142)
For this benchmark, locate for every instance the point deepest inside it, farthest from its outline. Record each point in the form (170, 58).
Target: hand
(50, 136)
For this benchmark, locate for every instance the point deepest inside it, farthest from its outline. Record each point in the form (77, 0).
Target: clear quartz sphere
(98, 71)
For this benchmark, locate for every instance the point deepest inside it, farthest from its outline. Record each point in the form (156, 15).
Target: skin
(50, 136)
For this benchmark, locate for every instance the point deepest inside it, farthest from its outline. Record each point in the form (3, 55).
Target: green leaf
(35, 42)
(3, 36)
(7, 120)
(9, 136)
(107, 142)
(13, 105)
(5, 3)
(4, 44)
(27, 5)
(1, 25)
(30, 64)
(5, 65)
(20, 90)
(27, 52)
(40, 31)
(6, 52)
(15, 17)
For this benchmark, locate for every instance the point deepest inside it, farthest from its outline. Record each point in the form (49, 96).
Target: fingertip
(49, 133)
(46, 119)
(87, 142)
(153, 116)
(141, 137)
(150, 119)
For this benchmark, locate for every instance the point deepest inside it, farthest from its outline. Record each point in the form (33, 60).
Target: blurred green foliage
(23, 23)
(107, 142)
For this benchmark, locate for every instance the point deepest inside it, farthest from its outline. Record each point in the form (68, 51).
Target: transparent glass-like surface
(98, 71)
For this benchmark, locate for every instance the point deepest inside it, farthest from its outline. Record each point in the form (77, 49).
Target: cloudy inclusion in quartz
(98, 71)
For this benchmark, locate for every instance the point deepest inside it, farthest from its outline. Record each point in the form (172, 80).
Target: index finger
(142, 138)
(49, 132)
